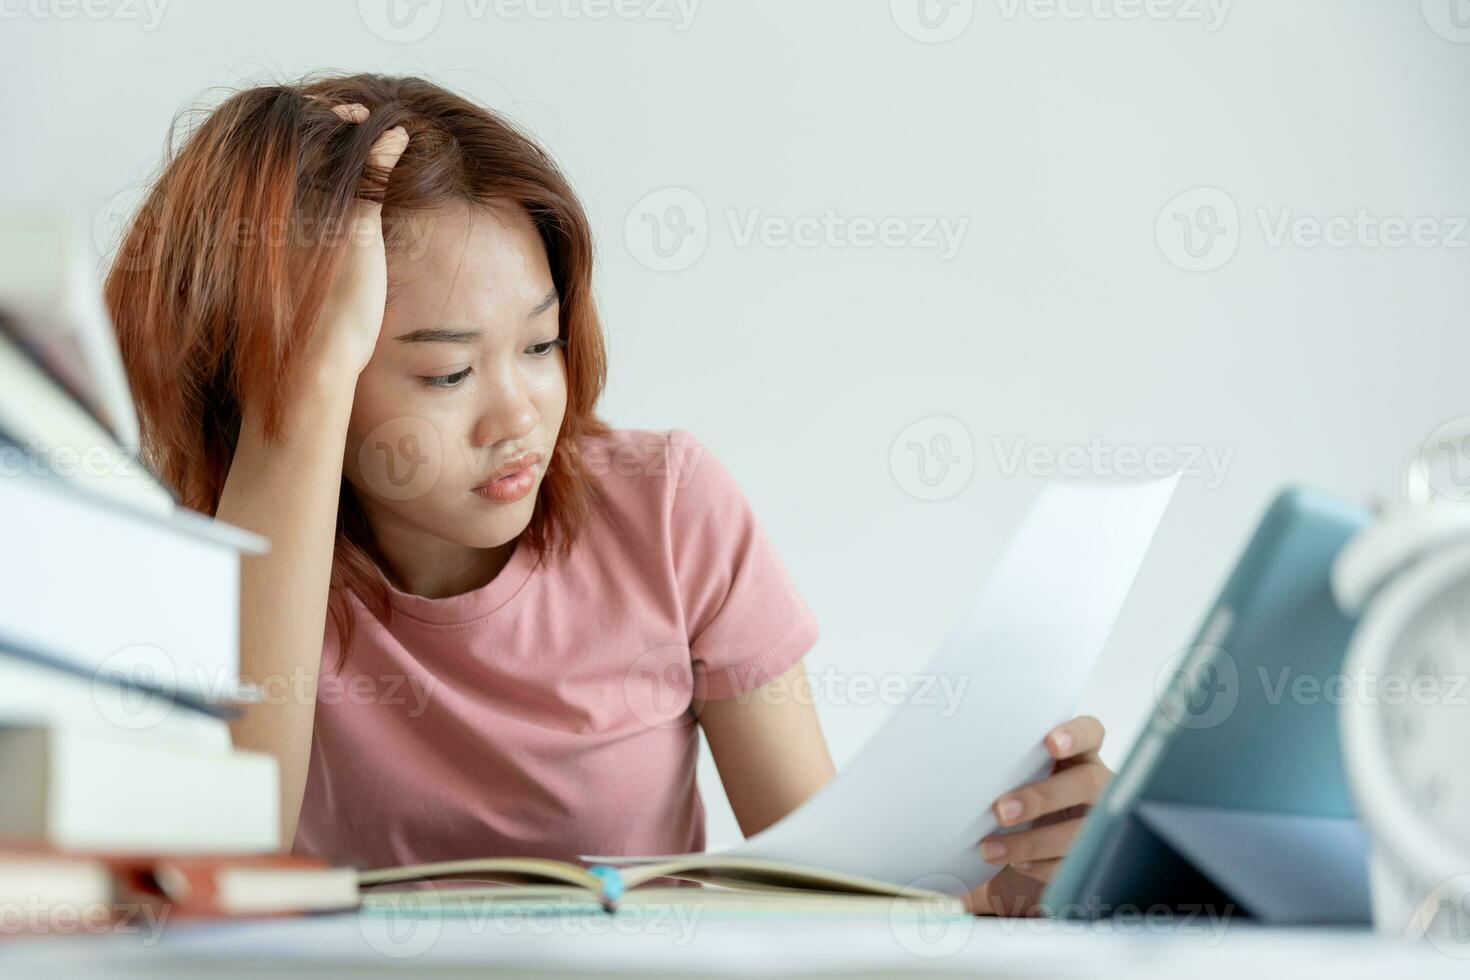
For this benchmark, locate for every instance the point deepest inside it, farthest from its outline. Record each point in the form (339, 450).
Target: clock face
(1422, 699)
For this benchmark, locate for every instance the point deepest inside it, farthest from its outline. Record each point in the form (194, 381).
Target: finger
(354, 112)
(387, 148)
(382, 157)
(1040, 870)
(1070, 787)
(1036, 844)
(1079, 736)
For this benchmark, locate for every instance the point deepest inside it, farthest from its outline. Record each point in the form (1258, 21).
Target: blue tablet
(1234, 798)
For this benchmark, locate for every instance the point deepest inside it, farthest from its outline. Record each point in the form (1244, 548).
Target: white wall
(1059, 318)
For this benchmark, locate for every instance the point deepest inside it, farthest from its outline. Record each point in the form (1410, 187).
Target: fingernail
(992, 850)
(1062, 741)
(1009, 809)
(1024, 866)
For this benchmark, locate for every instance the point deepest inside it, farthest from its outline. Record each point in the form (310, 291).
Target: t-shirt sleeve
(745, 620)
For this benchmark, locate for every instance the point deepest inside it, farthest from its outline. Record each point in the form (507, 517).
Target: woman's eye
(446, 380)
(545, 348)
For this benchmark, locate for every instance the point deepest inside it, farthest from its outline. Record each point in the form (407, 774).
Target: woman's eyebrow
(438, 335)
(443, 335)
(545, 304)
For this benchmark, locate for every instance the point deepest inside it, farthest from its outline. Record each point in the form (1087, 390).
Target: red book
(48, 890)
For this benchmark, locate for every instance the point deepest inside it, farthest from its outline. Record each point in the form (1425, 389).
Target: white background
(1059, 134)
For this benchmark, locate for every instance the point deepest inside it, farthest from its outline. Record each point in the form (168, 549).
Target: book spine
(37, 357)
(10, 646)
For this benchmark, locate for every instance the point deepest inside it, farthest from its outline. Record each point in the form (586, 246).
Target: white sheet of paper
(913, 806)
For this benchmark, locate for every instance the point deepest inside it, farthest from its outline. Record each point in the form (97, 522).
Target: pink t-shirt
(549, 712)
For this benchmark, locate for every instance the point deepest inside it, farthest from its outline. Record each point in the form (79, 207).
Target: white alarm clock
(1405, 713)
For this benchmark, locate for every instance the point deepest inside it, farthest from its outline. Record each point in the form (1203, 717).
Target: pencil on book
(612, 885)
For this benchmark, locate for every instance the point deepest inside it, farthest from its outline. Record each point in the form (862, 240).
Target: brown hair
(221, 273)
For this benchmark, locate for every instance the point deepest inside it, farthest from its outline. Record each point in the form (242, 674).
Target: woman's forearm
(288, 491)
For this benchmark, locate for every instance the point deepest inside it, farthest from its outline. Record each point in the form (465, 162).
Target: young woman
(357, 316)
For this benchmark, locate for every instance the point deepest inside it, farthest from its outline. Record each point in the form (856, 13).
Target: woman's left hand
(1055, 806)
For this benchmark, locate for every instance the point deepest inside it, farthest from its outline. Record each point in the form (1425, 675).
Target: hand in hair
(352, 315)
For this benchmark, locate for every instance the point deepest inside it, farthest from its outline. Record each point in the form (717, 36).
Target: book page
(912, 807)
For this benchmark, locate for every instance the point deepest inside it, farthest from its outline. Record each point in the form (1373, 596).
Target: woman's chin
(494, 525)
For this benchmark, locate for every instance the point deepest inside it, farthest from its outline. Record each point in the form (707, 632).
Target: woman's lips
(509, 489)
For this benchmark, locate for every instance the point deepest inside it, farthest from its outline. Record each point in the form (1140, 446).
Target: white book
(82, 792)
(46, 422)
(39, 695)
(98, 585)
(47, 882)
(49, 285)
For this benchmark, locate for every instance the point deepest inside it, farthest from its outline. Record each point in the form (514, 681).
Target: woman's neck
(422, 564)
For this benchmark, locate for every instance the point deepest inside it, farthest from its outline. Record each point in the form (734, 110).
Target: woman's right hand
(352, 314)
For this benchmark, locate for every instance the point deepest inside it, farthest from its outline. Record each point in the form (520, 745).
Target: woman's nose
(507, 414)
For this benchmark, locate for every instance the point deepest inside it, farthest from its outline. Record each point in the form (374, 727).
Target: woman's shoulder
(641, 462)
(660, 483)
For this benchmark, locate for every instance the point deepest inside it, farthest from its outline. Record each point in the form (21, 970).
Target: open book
(714, 880)
(115, 885)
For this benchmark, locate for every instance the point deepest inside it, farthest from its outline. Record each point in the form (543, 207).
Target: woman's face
(467, 375)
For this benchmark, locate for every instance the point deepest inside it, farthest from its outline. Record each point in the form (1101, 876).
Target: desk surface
(692, 944)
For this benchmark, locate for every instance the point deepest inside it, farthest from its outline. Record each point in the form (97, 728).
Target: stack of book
(119, 632)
